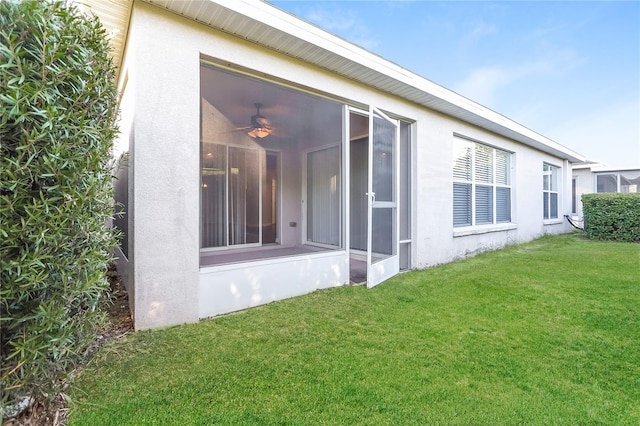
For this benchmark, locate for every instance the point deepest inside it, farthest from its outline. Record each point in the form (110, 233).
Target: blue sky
(569, 70)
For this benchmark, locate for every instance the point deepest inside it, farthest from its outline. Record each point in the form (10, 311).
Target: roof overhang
(264, 24)
(114, 16)
(595, 167)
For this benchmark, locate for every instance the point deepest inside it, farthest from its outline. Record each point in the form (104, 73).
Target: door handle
(372, 197)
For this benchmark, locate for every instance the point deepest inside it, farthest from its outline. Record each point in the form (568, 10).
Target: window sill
(552, 221)
(483, 229)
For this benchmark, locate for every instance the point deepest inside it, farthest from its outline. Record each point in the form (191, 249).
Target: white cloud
(482, 28)
(610, 134)
(344, 22)
(484, 84)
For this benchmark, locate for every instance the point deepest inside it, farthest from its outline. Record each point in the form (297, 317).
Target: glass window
(630, 181)
(254, 136)
(625, 181)
(503, 204)
(483, 164)
(550, 183)
(462, 204)
(230, 196)
(405, 195)
(607, 183)
(481, 184)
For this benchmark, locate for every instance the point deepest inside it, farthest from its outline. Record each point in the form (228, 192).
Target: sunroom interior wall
(214, 123)
(290, 193)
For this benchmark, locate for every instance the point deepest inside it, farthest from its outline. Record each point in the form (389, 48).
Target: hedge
(612, 216)
(58, 104)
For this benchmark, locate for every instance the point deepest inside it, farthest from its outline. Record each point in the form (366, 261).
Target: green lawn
(542, 333)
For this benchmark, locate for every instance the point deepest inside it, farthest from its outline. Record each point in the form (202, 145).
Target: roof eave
(272, 28)
(115, 16)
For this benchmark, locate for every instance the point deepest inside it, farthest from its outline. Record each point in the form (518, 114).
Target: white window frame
(227, 246)
(574, 195)
(619, 175)
(553, 187)
(474, 183)
(305, 212)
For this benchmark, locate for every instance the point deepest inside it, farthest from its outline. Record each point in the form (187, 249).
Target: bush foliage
(612, 216)
(58, 103)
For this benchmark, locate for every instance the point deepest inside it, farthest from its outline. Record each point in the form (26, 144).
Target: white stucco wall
(166, 51)
(233, 287)
(122, 154)
(436, 240)
(166, 161)
(584, 185)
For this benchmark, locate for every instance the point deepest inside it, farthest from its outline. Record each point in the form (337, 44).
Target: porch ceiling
(268, 26)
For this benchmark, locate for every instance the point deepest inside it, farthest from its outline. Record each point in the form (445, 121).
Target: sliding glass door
(230, 196)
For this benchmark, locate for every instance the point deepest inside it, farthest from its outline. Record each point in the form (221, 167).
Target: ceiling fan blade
(237, 129)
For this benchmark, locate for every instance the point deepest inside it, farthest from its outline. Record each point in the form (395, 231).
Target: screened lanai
(274, 184)
(271, 169)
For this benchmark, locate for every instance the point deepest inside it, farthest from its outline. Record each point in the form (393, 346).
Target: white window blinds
(550, 186)
(484, 164)
(461, 204)
(481, 184)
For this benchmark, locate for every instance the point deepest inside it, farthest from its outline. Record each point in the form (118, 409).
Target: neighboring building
(269, 158)
(590, 177)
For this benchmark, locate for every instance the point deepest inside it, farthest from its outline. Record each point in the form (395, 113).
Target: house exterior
(268, 158)
(591, 177)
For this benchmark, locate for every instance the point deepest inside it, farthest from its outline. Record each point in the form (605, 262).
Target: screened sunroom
(286, 178)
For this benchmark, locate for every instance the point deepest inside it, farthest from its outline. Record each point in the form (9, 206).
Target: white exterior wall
(164, 63)
(123, 146)
(166, 161)
(436, 241)
(585, 185)
(233, 287)
(587, 180)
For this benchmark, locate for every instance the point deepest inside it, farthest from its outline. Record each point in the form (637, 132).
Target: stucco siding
(436, 240)
(234, 287)
(164, 67)
(163, 59)
(584, 185)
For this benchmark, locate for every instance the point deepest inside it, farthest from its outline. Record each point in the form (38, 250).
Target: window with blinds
(550, 191)
(481, 184)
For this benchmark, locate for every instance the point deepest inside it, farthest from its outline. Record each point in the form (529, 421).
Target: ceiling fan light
(259, 132)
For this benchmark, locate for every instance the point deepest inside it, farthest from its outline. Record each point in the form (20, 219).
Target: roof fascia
(321, 48)
(115, 16)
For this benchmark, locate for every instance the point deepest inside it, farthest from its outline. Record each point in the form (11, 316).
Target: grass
(542, 333)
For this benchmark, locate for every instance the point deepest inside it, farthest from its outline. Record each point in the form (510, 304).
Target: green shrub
(612, 216)
(57, 123)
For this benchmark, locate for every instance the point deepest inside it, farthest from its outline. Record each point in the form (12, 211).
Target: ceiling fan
(260, 126)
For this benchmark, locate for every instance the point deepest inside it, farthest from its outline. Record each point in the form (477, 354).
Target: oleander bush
(58, 107)
(612, 216)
